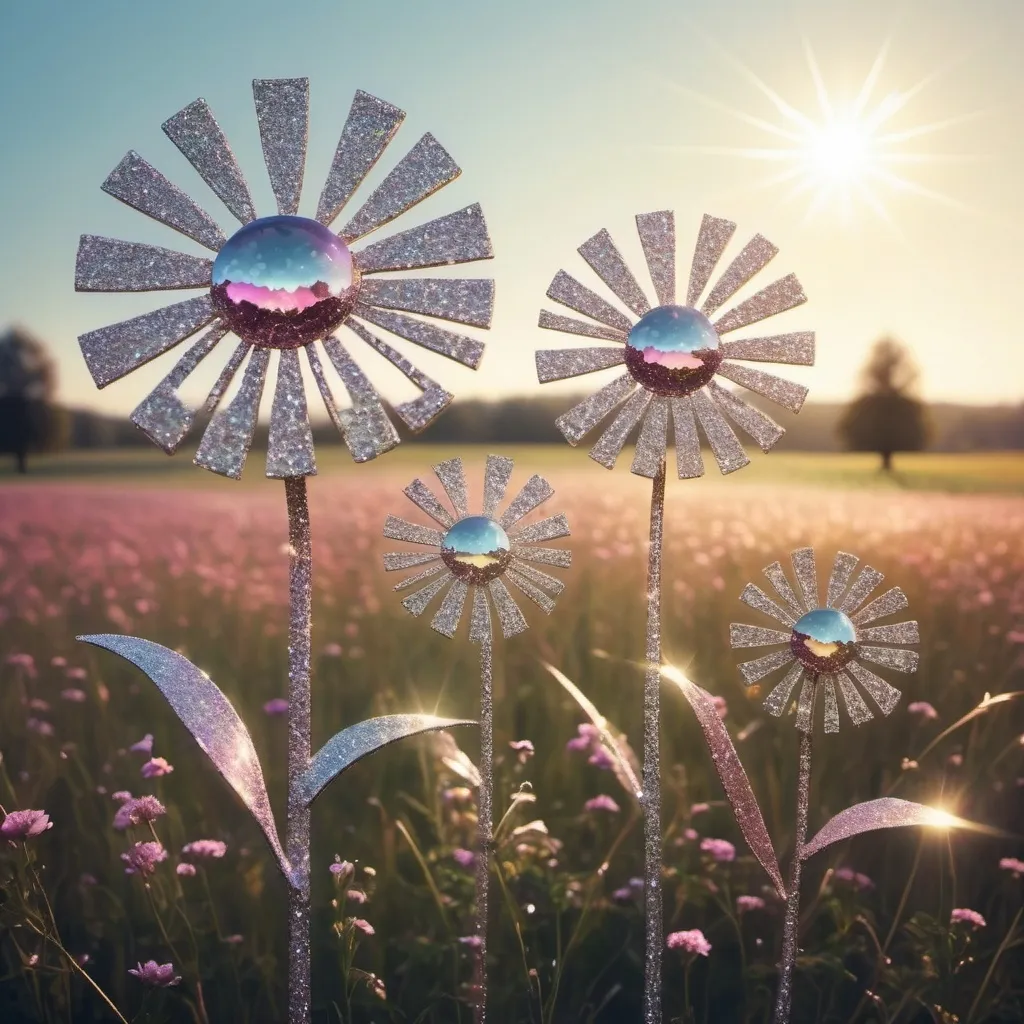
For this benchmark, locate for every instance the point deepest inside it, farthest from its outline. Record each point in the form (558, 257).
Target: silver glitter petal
(228, 437)
(741, 635)
(226, 376)
(290, 442)
(462, 349)
(651, 445)
(885, 812)
(566, 290)
(423, 497)
(397, 560)
(509, 615)
(460, 300)
(761, 427)
(542, 530)
(282, 109)
(399, 529)
(842, 568)
(446, 619)
(497, 472)
(806, 576)
(606, 261)
(459, 237)
(317, 369)
(752, 671)
(371, 124)
(711, 242)
(582, 418)
(142, 187)
(426, 168)
(658, 237)
(882, 693)
(776, 298)
(890, 657)
(609, 445)
(570, 325)
(416, 604)
(796, 349)
(562, 363)
(891, 601)
(866, 581)
(753, 257)
(783, 392)
(210, 718)
(542, 579)
(194, 130)
(453, 479)
(778, 579)
(805, 704)
(689, 463)
(545, 556)
(534, 492)
(755, 597)
(480, 618)
(113, 352)
(425, 574)
(856, 707)
(779, 699)
(110, 265)
(535, 594)
(828, 687)
(725, 445)
(343, 749)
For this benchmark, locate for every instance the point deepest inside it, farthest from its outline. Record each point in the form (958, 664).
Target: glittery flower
(673, 353)
(479, 550)
(158, 975)
(24, 825)
(826, 644)
(288, 283)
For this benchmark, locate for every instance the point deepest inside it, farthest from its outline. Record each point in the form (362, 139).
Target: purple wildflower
(603, 802)
(120, 795)
(356, 896)
(39, 726)
(692, 942)
(464, 858)
(720, 706)
(923, 710)
(853, 878)
(144, 746)
(746, 903)
(73, 695)
(343, 870)
(143, 858)
(277, 706)
(186, 870)
(473, 941)
(155, 767)
(721, 850)
(523, 748)
(22, 825)
(136, 810)
(971, 917)
(152, 973)
(1013, 865)
(204, 849)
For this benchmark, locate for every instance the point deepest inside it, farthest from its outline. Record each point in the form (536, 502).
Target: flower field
(148, 892)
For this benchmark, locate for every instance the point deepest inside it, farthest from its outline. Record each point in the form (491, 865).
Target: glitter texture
(782, 693)
(545, 556)
(453, 479)
(606, 261)
(725, 445)
(542, 579)
(689, 463)
(497, 473)
(371, 124)
(582, 418)
(462, 349)
(881, 692)
(754, 257)
(194, 130)
(900, 660)
(761, 427)
(426, 574)
(141, 186)
(290, 442)
(468, 301)
(776, 298)
(459, 237)
(610, 443)
(226, 376)
(569, 292)
(113, 352)
(649, 457)
(805, 703)
(419, 174)
(509, 615)
(110, 265)
(711, 242)
(400, 529)
(479, 618)
(828, 689)
(484, 820)
(842, 568)
(759, 668)
(856, 708)
(396, 560)
(755, 636)
(796, 349)
(446, 621)
(570, 325)
(533, 493)
(422, 496)
(885, 812)
(777, 578)
(535, 594)
(783, 392)
(755, 597)
(658, 237)
(866, 581)
(891, 601)
(806, 576)
(898, 633)
(562, 363)
(543, 529)
(282, 110)
(416, 604)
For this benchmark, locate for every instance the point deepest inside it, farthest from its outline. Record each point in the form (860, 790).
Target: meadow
(135, 543)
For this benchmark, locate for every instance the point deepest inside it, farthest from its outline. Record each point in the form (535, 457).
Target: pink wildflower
(720, 705)
(699, 809)
(204, 849)
(853, 878)
(158, 975)
(971, 917)
(464, 858)
(39, 726)
(356, 896)
(155, 767)
(721, 850)
(364, 926)
(332, 650)
(472, 941)
(923, 710)
(186, 870)
(692, 942)
(144, 746)
(143, 858)
(76, 673)
(22, 825)
(1013, 865)
(121, 795)
(603, 802)
(73, 695)
(136, 810)
(746, 903)
(524, 748)
(277, 706)
(25, 662)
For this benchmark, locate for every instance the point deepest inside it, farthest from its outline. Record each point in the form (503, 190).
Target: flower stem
(484, 827)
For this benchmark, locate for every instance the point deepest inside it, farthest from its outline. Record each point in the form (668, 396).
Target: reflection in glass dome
(824, 640)
(476, 549)
(673, 350)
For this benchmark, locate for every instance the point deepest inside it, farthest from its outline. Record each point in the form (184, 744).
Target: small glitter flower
(22, 825)
(963, 915)
(136, 810)
(287, 283)
(691, 941)
(143, 858)
(602, 802)
(158, 975)
(720, 850)
(204, 849)
(673, 353)
(155, 767)
(827, 643)
(479, 551)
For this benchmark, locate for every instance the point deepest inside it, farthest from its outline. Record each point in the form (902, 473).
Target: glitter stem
(784, 994)
(299, 749)
(651, 800)
(484, 828)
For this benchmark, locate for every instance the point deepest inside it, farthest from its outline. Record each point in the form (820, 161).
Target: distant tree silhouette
(886, 417)
(27, 380)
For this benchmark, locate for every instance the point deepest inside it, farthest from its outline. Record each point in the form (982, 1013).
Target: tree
(886, 417)
(27, 380)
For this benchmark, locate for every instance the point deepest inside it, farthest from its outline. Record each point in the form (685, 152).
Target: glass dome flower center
(673, 350)
(476, 549)
(824, 640)
(282, 282)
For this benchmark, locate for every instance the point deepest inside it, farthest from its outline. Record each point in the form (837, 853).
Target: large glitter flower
(287, 283)
(479, 550)
(674, 353)
(827, 643)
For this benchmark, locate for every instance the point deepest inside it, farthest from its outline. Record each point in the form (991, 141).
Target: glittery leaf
(609, 444)
(652, 443)
(569, 292)
(480, 621)
(891, 601)
(461, 300)
(778, 579)
(534, 593)
(509, 615)
(545, 556)
(807, 576)
(110, 265)
(782, 693)
(752, 671)
(725, 445)
(866, 581)
(761, 427)
(783, 392)
(776, 298)
(842, 568)
(606, 261)
(497, 472)
(753, 257)
(897, 633)
(543, 529)
(282, 110)
(881, 692)
(416, 604)
(534, 492)
(828, 688)
(562, 363)
(399, 529)
(210, 718)
(741, 635)
(658, 237)
(856, 707)
(582, 418)
(689, 463)
(446, 619)
(453, 479)
(459, 237)
(570, 325)
(396, 560)
(894, 658)
(541, 579)
(461, 348)
(711, 242)
(755, 597)
(796, 349)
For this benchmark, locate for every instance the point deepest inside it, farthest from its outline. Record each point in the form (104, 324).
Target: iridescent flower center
(824, 640)
(476, 549)
(673, 350)
(282, 282)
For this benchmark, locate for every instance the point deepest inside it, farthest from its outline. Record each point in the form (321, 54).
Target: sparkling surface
(824, 640)
(652, 443)
(754, 257)
(886, 812)
(469, 301)
(779, 296)
(282, 110)
(569, 292)
(581, 419)
(610, 443)
(658, 238)
(562, 363)
(712, 239)
(689, 463)
(570, 325)
(282, 282)
(761, 427)
(673, 350)
(110, 265)
(290, 441)
(476, 549)
(606, 261)
(725, 445)
(459, 237)
(460, 347)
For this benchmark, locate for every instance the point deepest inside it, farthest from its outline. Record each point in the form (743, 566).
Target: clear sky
(566, 116)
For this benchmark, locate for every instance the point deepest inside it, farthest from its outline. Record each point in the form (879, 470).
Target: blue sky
(566, 116)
